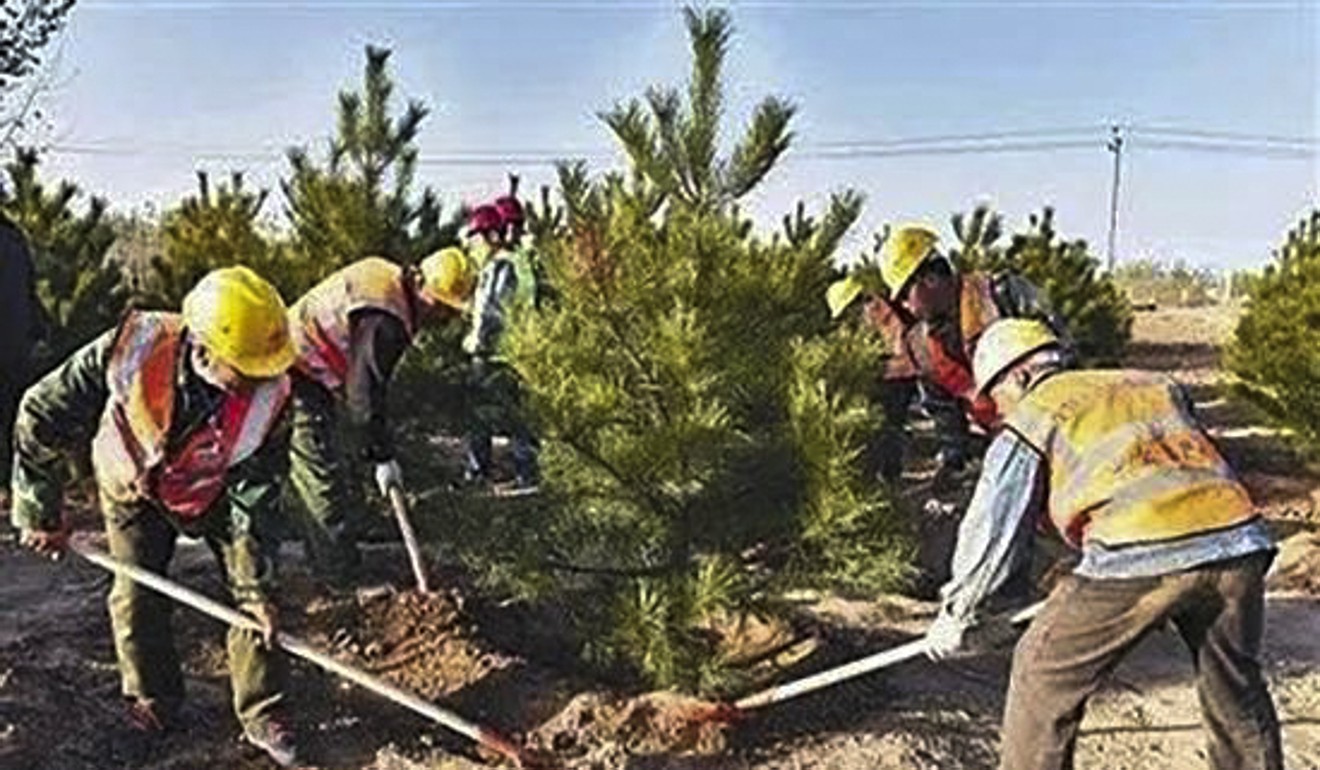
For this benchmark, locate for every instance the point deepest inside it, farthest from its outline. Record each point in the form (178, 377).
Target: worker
(933, 317)
(350, 332)
(898, 385)
(187, 413)
(508, 280)
(22, 318)
(1117, 462)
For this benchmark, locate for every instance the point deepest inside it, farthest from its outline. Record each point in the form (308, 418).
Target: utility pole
(1115, 146)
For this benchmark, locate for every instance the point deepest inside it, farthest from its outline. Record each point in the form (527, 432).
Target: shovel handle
(400, 505)
(204, 604)
(854, 669)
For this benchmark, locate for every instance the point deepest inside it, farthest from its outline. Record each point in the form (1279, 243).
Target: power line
(985, 136)
(997, 142)
(1260, 150)
(1003, 140)
(934, 150)
(495, 158)
(1232, 136)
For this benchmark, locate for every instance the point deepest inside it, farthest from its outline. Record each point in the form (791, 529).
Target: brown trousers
(1088, 626)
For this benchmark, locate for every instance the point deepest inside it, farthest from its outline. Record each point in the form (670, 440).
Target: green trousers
(140, 618)
(326, 481)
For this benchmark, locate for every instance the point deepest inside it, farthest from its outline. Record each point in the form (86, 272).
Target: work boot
(276, 739)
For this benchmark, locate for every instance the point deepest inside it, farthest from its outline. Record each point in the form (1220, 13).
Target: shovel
(400, 505)
(482, 735)
(729, 712)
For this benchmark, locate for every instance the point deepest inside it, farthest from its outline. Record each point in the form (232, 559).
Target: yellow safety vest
(1127, 463)
(319, 322)
(129, 449)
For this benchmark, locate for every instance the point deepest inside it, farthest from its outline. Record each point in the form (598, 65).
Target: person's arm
(57, 413)
(378, 342)
(253, 491)
(995, 537)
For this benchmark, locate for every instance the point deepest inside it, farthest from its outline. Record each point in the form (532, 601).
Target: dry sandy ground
(58, 685)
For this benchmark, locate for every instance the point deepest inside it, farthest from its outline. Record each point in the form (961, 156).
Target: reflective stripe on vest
(1127, 463)
(128, 452)
(320, 320)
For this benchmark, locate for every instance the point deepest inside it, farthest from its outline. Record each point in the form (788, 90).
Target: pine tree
(360, 202)
(1096, 313)
(1276, 348)
(701, 429)
(673, 144)
(82, 291)
(216, 227)
(978, 234)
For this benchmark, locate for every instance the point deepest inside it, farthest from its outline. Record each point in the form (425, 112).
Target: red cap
(484, 218)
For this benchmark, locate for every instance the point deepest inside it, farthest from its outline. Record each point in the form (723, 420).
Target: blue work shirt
(995, 537)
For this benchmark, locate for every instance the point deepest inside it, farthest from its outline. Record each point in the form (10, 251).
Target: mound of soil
(1297, 567)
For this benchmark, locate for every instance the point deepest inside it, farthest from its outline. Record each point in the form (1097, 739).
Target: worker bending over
(184, 413)
(1118, 463)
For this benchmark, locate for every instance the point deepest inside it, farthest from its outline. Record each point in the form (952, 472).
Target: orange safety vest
(129, 449)
(320, 320)
(1127, 463)
(952, 370)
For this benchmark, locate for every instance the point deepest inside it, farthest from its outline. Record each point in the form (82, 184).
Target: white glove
(946, 637)
(388, 476)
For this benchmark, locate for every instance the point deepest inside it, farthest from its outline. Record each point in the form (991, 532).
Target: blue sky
(161, 84)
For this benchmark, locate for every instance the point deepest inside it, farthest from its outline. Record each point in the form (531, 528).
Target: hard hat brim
(842, 294)
(902, 279)
(270, 365)
(984, 389)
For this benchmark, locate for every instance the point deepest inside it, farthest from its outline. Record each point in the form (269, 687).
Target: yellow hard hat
(1005, 343)
(904, 251)
(242, 321)
(842, 293)
(448, 277)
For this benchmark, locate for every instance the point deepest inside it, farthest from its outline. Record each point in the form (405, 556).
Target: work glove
(950, 637)
(48, 543)
(946, 637)
(268, 616)
(470, 342)
(388, 476)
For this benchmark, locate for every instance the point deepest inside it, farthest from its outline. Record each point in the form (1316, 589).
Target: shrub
(1276, 348)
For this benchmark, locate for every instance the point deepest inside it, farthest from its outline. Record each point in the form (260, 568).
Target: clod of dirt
(599, 730)
(1297, 567)
(390, 758)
